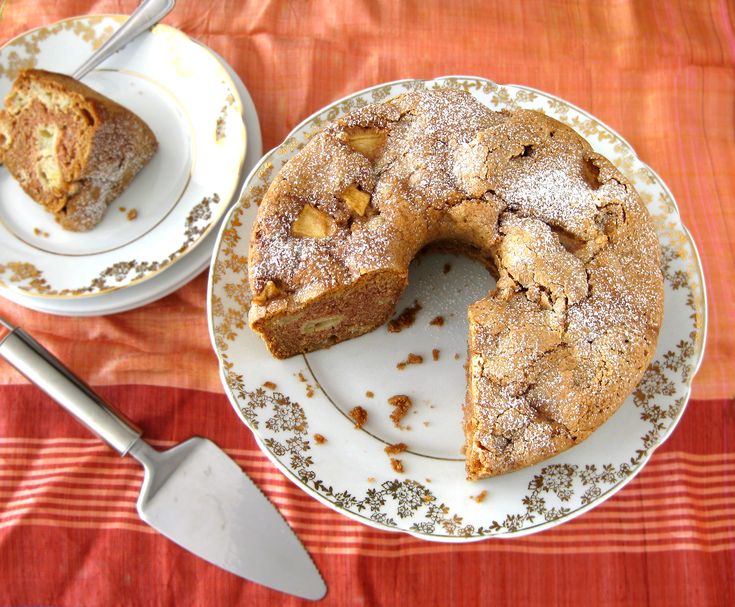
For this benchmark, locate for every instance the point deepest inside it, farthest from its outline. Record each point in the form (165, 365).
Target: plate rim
(218, 212)
(541, 525)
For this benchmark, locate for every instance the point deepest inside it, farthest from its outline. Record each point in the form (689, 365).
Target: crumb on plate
(479, 498)
(396, 464)
(401, 404)
(359, 416)
(411, 359)
(405, 319)
(396, 448)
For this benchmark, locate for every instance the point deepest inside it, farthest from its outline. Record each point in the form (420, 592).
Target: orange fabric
(667, 539)
(661, 73)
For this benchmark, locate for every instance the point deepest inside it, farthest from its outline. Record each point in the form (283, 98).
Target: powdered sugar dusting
(578, 305)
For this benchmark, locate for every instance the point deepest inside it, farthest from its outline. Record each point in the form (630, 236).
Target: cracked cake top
(573, 320)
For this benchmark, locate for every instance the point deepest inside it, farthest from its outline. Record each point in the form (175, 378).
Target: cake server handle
(148, 13)
(48, 373)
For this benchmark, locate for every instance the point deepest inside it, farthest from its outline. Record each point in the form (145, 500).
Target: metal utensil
(148, 13)
(194, 494)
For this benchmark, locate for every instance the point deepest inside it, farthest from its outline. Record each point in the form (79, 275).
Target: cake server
(193, 493)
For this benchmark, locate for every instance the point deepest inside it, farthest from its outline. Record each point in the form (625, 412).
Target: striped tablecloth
(661, 73)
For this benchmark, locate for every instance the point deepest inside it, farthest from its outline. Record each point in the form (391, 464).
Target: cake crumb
(396, 448)
(447, 268)
(122, 209)
(428, 480)
(397, 465)
(309, 388)
(405, 319)
(132, 214)
(435, 353)
(45, 234)
(427, 424)
(480, 497)
(270, 385)
(411, 359)
(371, 479)
(437, 321)
(37, 231)
(359, 416)
(456, 356)
(401, 404)
(320, 439)
(370, 394)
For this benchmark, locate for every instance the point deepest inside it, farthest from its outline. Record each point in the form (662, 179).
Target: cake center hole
(444, 285)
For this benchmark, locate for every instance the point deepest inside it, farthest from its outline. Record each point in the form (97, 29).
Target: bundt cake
(573, 320)
(70, 148)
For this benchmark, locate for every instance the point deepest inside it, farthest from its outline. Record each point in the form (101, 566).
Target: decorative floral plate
(190, 102)
(286, 403)
(177, 275)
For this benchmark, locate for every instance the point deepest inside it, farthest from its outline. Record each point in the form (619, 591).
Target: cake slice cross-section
(70, 148)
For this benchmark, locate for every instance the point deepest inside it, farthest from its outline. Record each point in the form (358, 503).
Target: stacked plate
(160, 232)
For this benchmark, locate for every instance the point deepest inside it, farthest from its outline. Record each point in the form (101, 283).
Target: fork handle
(148, 13)
(50, 375)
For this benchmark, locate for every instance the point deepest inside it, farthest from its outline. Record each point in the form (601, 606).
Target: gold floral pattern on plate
(523, 502)
(27, 277)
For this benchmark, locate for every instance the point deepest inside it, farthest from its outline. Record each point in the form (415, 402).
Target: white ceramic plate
(432, 500)
(177, 274)
(189, 100)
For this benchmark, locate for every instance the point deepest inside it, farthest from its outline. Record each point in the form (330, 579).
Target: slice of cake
(70, 148)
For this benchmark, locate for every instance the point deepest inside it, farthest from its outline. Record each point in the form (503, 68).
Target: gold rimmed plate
(286, 402)
(192, 105)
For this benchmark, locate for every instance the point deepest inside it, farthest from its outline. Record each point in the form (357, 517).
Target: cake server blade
(196, 496)
(194, 493)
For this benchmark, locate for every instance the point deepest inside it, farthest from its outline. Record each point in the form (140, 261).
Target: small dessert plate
(192, 105)
(287, 402)
(163, 283)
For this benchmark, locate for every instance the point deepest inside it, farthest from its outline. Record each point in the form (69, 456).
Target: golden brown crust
(71, 149)
(574, 318)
